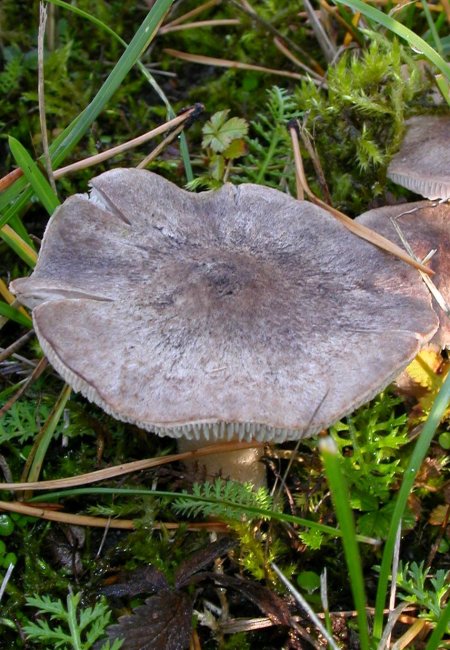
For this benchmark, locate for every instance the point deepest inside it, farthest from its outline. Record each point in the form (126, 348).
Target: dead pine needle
(227, 63)
(125, 146)
(226, 22)
(10, 178)
(127, 468)
(191, 14)
(317, 78)
(49, 514)
(160, 147)
(41, 95)
(37, 372)
(16, 346)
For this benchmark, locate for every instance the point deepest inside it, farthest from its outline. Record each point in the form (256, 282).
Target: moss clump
(357, 122)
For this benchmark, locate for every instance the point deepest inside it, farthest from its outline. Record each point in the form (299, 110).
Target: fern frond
(229, 500)
(268, 154)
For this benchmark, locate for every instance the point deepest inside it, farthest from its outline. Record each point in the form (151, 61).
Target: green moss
(357, 122)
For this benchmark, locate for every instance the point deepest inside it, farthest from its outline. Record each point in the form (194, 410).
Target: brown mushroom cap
(423, 163)
(239, 312)
(426, 227)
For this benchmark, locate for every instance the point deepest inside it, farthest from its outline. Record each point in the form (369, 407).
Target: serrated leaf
(236, 149)
(163, 623)
(312, 538)
(42, 630)
(218, 132)
(438, 515)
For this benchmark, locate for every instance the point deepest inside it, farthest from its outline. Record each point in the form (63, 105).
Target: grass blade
(69, 138)
(305, 606)
(14, 314)
(246, 509)
(444, 87)
(439, 630)
(37, 454)
(152, 81)
(18, 245)
(72, 134)
(432, 26)
(417, 457)
(341, 502)
(34, 176)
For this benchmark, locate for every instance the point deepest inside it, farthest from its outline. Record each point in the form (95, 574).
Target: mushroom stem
(239, 465)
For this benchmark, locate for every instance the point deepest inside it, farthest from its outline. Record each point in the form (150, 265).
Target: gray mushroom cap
(425, 227)
(422, 164)
(239, 312)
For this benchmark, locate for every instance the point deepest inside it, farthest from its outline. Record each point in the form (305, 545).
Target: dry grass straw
(296, 61)
(227, 63)
(125, 146)
(36, 373)
(224, 22)
(191, 14)
(127, 468)
(49, 514)
(41, 96)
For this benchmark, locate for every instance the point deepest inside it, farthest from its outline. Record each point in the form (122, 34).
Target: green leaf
(218, 132)
(81, 627)
(34, 176)
(332, 462)
(236, 149)
(217, 167)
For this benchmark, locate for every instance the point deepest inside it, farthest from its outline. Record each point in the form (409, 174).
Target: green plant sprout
(223, 142)
(269, 144)
(423, 587)
(67, 626)
(369, 442)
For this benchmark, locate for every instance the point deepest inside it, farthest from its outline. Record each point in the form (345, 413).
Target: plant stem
(72, 602)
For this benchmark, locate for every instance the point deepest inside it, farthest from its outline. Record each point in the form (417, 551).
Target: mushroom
(239, 314)
(425, 227)
(423, 163)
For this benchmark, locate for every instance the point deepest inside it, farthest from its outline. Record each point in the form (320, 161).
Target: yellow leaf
(423, 370)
